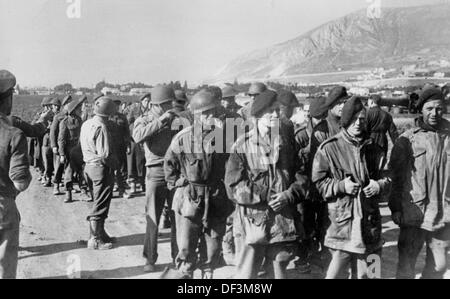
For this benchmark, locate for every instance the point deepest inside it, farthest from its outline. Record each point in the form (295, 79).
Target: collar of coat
(365, 140)
(422, 127)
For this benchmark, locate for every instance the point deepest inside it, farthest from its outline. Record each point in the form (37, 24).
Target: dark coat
(354, 221)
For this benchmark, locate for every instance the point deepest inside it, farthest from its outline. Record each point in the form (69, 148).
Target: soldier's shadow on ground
(125, 272)
(131, 240)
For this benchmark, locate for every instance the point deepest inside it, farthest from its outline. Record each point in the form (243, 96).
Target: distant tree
(64, 88)
(185, 86)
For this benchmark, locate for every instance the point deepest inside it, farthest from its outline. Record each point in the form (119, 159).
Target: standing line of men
(280, 191)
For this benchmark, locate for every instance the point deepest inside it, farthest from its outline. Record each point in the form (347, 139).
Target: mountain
(401, 36)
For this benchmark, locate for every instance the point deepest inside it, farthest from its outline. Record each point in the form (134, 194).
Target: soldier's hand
(46, 116)
(397, 218)
(55, 150)
(167, 117)
(351, 188)
(128, 150)
(62, 159)
(278, 202)
(372, 189)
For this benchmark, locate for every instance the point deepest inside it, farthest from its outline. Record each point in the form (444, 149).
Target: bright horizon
(150, 41)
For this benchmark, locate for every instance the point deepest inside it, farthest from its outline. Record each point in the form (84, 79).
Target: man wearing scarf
(327, 128)
(261, 179)
(347, 174)
(420, 199)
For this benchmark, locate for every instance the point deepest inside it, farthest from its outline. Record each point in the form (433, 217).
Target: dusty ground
(50, 230)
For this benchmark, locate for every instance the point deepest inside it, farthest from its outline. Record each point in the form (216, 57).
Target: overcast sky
(151, 41)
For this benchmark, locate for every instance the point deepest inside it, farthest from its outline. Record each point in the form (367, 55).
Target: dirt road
(50, 232)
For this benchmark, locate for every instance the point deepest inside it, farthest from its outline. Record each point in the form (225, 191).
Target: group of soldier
(244, 185)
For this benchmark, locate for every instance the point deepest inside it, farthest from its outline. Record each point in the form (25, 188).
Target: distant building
(139, 91)
(110, 91)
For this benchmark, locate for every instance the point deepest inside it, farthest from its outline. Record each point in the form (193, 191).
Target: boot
(68, 196)
(207, 275)
(104, 235)
(95, 242)
(56, 190)
(133, 188)
(86, 195)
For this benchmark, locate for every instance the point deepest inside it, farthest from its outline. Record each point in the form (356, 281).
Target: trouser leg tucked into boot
(104, 235)
(95, 241)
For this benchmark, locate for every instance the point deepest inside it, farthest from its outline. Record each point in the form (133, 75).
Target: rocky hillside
(400, 37)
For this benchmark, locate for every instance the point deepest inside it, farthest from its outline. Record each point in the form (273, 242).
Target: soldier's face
(145, 103)
(358, 125)
(286, 111)
(270, 118)
(7, 105)
(55, 108)
(337, 109)
(433, 112)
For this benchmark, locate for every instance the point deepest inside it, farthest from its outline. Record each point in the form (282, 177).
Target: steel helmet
(56, 102)
(162, 94)
(104, 106)
(46, 101)
(203, 101)
(73, 106)
(257, 88)
(228, 92)
(66, 100)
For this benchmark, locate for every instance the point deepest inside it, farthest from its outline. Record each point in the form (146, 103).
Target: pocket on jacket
(340, 218)
(412, 213)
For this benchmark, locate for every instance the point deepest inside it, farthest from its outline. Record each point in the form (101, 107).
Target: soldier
(261, 179)
(179, 105)
(15, 177)
(47, 153)
(254, 90)
(326, 129)
(348, 175)
(136, 157)
(379, 123)
(195, 168)
(54, 132)
(37, 142)
(303, 134)
(419, 201)
(68, 139)
(155, 132)
(288, 102)
(96, 145)
(229, 99)
(120, 133)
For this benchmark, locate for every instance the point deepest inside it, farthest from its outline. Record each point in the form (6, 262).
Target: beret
(229, 92)
(287, 98)
(351, 108)
(66, 100)
(337, 93)
(262, 102)
(145, 96)
(429, 94)
(317, 108)
(7, 81)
